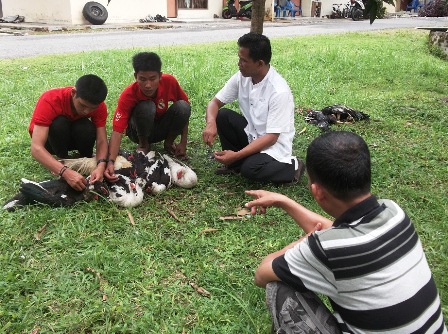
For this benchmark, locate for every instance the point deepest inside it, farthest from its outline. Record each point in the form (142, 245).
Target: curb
(24, 28)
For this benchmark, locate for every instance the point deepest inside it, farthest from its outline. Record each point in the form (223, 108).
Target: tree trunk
(258, 11)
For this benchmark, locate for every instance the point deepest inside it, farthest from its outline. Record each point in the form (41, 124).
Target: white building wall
(131, 11)
(119, 11)
(54, 11)
(70, 11)
(214, 8)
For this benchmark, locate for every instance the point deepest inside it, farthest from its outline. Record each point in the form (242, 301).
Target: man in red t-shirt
(152, 109)
(71, 118)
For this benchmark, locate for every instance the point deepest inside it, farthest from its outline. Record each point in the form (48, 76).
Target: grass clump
(91, 271)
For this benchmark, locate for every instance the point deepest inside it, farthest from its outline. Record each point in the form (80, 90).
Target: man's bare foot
(169, 148)
(182, 157)
(143, 149)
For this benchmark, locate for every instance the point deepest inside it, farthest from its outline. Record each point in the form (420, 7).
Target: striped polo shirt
(372, 267)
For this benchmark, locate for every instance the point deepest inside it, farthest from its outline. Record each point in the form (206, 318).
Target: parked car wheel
(95, 12)
(357, 14)
(226, 14)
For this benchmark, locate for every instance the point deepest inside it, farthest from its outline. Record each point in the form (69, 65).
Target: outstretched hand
(263, 200)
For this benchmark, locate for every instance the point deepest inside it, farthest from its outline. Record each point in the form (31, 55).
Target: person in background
(258, 142)
(369, 261)
(289, 6)
(277, 8)
(71, 118)
(152, 109)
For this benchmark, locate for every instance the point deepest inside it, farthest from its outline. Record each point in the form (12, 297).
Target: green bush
(435, 8)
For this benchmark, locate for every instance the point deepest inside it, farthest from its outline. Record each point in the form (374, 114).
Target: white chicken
(181, 175)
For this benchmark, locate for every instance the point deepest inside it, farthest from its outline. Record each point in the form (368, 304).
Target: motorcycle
(337, 12)
(356, 10)
(230, 11)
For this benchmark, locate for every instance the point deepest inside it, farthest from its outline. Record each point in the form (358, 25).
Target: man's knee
(223, 113)
(182, 110)
(183, 107)
(303, 312)
(249, 171)
(84, 128)
(255, 167)
(144, 110)
(60, 125)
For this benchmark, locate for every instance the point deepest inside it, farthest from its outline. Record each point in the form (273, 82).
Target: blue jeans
(293, 12)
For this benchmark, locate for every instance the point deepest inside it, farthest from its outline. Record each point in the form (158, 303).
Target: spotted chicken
(126, 192)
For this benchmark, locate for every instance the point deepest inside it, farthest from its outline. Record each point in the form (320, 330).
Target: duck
(334, 114)
(56, 193)
(158, 176)
(181, 175)
(138, 174)
(126, 192)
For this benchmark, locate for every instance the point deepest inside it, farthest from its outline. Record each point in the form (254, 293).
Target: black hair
(91, 88)
(258, 45)
(340, 162)
(146, 61)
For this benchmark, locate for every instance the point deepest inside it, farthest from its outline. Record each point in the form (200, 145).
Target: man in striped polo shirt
(369, 261)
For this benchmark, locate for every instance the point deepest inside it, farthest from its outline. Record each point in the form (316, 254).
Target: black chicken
(54, 193)
(334, 114)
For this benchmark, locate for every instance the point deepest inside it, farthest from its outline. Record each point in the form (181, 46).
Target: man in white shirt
(258, 142)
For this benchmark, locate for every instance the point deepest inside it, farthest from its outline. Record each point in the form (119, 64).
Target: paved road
(190, 33)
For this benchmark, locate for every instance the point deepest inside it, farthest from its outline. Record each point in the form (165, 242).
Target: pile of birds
(157, 18)
(335, 114)
(138, 174)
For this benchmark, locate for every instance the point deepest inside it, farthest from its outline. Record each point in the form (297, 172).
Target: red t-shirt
(56, 102)
(169, 90)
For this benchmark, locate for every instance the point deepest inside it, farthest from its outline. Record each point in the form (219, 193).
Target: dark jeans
(65, 135)
(257, 167)
(294, 312)
(143, 122)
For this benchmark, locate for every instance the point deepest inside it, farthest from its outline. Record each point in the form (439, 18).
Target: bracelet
(63, 169)
(111, 160)
(101, 160)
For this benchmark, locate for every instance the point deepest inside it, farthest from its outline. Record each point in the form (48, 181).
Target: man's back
(372, 267)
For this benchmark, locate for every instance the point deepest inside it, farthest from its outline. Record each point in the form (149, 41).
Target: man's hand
(180, 151)
(97, 175)
(226, 157)
(74, 179)
(109, 173)
(263, 200)
(209, 133)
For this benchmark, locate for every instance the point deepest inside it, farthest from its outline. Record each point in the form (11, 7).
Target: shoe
(224, 170)
(297, 174)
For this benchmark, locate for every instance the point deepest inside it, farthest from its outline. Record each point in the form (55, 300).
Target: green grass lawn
(87, 269)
